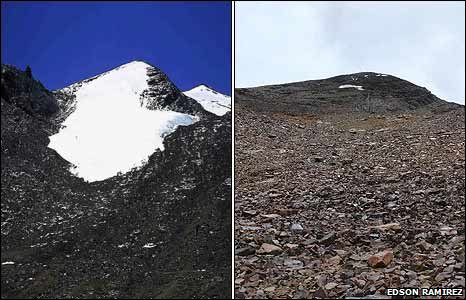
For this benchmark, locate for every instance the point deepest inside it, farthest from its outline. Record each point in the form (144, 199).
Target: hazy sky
(422, 42)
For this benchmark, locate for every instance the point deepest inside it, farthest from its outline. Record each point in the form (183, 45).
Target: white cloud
(278, 42)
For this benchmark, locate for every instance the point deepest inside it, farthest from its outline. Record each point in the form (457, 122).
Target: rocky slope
(28, 94)
(337, 202)
(161, 230)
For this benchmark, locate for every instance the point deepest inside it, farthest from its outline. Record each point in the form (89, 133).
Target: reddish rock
(390, 226)
(381, 259)
(269, 249)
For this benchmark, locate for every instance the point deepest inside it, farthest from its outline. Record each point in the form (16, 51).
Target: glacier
(110, 131)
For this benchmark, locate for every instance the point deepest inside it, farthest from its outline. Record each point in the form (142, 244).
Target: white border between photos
(232, 149)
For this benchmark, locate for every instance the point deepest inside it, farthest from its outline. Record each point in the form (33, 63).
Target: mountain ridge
(161, 92)
(103, 73)
(377, 93)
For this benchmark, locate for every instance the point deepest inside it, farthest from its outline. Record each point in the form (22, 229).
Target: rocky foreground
(347, 205)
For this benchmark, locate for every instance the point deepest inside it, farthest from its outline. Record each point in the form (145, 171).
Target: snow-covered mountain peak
(134, 71)
(137, 62)
(113, 121)
(210, 99)
(203, 87)
(133, 65)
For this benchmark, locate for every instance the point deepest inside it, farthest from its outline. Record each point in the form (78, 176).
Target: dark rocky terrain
(163, 95)
(340, 197)
(159, 231)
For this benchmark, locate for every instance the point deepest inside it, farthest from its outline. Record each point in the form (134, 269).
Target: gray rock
(328, 239)
(296, 227)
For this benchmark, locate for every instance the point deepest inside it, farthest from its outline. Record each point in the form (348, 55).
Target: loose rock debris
(348, 205)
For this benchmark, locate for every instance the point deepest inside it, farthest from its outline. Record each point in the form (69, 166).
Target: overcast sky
(422, 42)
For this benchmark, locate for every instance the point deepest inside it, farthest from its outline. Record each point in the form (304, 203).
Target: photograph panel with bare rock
(116, 157)
(349, 150)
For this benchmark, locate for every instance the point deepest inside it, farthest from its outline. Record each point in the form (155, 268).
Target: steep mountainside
(29, 95)
(160, 230)
(336, 199)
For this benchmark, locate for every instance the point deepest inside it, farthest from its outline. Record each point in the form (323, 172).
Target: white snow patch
(149, 245)
(8, 263)
(38, 245)
(345, 86)
(383, 75)
(110, 132)
(210, 99)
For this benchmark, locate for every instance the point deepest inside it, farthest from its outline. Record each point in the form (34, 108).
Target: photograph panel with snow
(349, 150)
(116, 150)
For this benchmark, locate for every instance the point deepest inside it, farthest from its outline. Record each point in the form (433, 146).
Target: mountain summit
(364, 92)
(152, 87)
(112, 122)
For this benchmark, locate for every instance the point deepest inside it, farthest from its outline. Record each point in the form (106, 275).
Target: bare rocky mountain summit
(364, 92)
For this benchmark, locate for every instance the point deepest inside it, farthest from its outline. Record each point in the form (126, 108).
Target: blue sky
(422, 42)
(65, 42)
